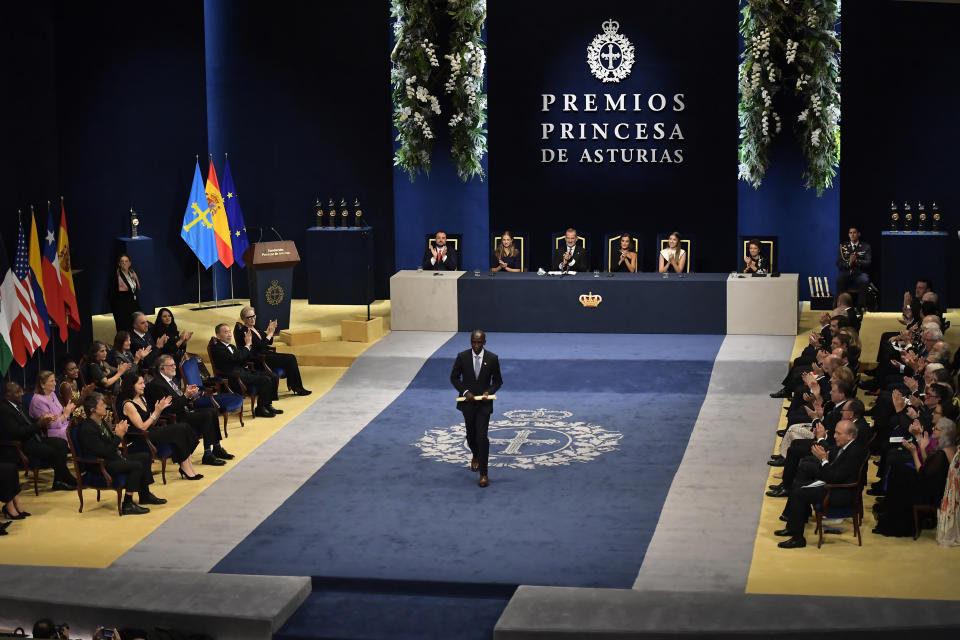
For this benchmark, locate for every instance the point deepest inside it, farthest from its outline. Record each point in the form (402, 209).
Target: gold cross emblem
(201, 216)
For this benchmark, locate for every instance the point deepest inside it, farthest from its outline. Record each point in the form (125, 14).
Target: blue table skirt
(631, 303)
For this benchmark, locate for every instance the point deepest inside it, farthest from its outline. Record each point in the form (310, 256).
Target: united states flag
(26, 320)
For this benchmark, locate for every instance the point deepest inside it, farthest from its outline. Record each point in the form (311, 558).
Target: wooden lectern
(270, 278)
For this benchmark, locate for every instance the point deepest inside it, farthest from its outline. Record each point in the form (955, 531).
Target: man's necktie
(176, 388)
(476, 367)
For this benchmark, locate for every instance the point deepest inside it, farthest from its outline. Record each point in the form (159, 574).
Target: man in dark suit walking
(476, 375)
(840, 465)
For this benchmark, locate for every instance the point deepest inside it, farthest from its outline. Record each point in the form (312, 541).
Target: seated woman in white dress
(673, 258)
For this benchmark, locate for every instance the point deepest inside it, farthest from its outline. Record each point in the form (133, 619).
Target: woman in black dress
(99, 371)
(121, 352)
(123, 292)
(260, 340)
(627, 259)
(180, 435)
(506, 257)
(9, 495)
(165, 325)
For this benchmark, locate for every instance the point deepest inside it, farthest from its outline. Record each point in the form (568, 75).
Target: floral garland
(414, 72)
(468, 138)
(802, 33)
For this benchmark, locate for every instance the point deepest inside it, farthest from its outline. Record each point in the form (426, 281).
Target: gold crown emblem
(591, 299)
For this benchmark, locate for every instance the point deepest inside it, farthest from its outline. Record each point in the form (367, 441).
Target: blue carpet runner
(587, 433)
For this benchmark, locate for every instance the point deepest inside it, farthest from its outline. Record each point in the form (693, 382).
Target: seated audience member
(260, 342)
(845, 308)
(70, 389)
(226, 357)
(15, 424)
(627, 258)
(570, 256)
(853, 263)
(133, 406)
(45, 628)
(506, 257)
(203, 420)
(97, 441)
(911, 316)
(99, 371)
(121, 353)
(853, 345)
(921, 482)
(948, 516)
(755, 261)
(839, 464)
(46, 404)
(440, 256)
(142, 338)
(9, 495)
(177, 340)
(673, 257)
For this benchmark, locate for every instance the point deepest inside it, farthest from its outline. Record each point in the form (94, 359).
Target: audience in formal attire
(100, 372)
(71, 391)
(673, 257)
(123, 292)
(98, 441)
(203, 420)
(45, 404)
(141, 418)
(177, 340)
(228, 358)
(626, 257)
(142, 338)
(506, 257)
(121, 353)
(260, 346)
(571, 255)
(440, 256)
(16, 425)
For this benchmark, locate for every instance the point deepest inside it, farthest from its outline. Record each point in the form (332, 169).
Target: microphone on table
(277, 233)
(261, 234)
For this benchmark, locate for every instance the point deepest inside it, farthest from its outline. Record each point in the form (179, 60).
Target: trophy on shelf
(894, 217)
(319, 213)
(935, 215)
(134, 224)
(357, 214)
(344, 213)
(907, 217)
(332, 214)
(921, 217)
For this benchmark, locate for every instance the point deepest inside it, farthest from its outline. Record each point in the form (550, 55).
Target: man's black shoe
(784, 518)
(152, 499)
(302, 392)
(783, 393)
(783, 533)
(779, 492)
(274, 409)
(60, 485)
(793, 543)
(263, 412)
(781, 433)
(221, 453)
(778, 462)
(212, 460)
(130, 509)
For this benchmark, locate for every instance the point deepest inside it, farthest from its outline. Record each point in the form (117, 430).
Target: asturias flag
(221, 226)
(52, 286)
(67, 291)
(197, 229)
(234, 216)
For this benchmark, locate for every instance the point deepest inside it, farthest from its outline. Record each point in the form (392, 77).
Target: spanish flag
(68, 292)
(221, 225)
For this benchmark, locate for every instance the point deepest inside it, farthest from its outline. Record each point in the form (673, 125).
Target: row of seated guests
(572, 256)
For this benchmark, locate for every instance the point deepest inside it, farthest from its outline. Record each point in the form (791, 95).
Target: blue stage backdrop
(668, 159)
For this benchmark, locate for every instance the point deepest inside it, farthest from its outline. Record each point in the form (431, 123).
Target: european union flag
(197, 230)
(238, 228)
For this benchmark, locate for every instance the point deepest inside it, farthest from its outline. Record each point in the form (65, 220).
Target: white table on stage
(763, 306)
(424, 300)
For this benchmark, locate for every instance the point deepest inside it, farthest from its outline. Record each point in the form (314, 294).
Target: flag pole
(198, 283)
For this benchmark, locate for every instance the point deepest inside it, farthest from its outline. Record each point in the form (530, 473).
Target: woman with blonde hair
(46, 404)
(673, 257)
(506, 257)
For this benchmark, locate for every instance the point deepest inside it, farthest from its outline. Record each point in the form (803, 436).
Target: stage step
(300, 337)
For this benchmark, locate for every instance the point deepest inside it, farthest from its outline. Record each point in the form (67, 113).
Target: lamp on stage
(332, 213)
(894, 217)
(344, 213)
(319, 213)
(936, 217)
(357, 214)
(134, 224)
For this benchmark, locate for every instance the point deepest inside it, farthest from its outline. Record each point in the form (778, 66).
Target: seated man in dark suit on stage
(440, 256)
(570, 256)
(141, 338)
(227, 357)
(853, 262)
(204, 421)
(836, 465)
(16, 425)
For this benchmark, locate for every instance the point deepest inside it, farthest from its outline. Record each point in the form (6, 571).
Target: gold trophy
(894, 217)
(357, 214)
(907, 217)
(331, 214)
(319, 213)
(921, 217)
(936, 217)
(134, 224)
(344, 213)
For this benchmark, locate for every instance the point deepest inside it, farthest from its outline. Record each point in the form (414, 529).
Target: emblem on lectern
(610, 55)
(274, 293)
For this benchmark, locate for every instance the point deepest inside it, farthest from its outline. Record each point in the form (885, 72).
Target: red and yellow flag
(221, 225)
(68, 292)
